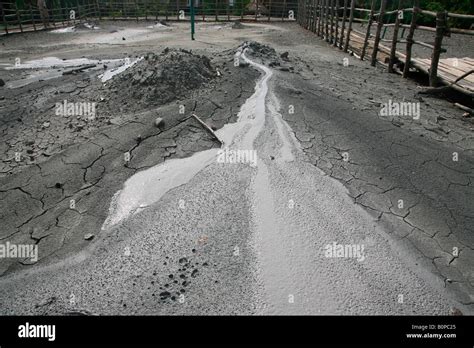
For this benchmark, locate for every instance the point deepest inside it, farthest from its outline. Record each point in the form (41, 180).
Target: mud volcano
(159, 79)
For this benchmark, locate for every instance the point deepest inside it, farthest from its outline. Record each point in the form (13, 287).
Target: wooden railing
(330, 18)
(29, 18)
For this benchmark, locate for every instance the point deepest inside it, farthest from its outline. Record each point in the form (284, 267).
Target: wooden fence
(333, 21)
(30, 18)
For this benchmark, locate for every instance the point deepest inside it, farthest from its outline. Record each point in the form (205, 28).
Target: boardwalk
(449, 69)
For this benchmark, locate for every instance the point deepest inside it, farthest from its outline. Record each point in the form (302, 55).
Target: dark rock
(89, 236)
(164, 295)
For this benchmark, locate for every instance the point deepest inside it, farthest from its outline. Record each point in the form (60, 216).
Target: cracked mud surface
(82, 160)
(392, 158)
(335, 112)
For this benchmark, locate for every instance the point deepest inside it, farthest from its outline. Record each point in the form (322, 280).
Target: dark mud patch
(159, 79)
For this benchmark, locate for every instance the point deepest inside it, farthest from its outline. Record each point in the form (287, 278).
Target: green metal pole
(192, 18)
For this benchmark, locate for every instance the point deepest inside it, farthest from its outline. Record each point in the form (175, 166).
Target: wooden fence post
(321, 18)
(32, 17)
(315, 11)
(331, 37)
(343, 25)
(367, 34)
(411, 32)
(306, 13)
(383, 5)
(298, 18)
(269, 9)
(349, 27)
(3, 18)
(396, 28)
(136, 10)
(441, 19)
(61, 12)
(256, 9)
(177, 9)
(326, 16)
(303, 12)
(336, 19)
(77, 15)
(320, 4)
(18, 17)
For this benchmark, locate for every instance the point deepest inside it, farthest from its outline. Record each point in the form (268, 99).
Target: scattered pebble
(158, 122)
(89, 236)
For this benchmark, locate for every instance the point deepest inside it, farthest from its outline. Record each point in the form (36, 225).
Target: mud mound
(159, 79)
(238, 25)
(259, 50)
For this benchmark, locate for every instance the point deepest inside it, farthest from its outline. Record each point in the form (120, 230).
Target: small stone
(46, 124)
(2, 83)
(164, 295)
(158, 122)
(88, 236)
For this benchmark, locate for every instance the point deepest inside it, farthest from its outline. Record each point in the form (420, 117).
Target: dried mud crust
(30, 126)
(81, 160)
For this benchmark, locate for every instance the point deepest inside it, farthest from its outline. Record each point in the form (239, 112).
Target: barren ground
(335, 126)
